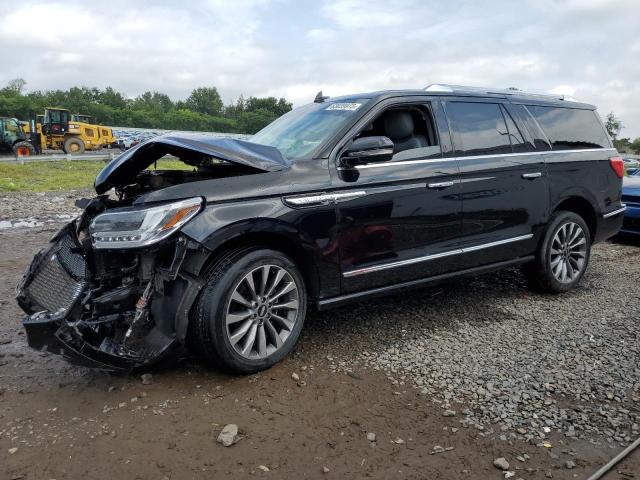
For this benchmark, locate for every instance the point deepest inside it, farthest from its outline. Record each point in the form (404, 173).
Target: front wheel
(23, 149)
(251, 311)
(563, 255)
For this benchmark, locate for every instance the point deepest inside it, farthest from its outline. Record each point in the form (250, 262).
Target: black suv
(336, 201)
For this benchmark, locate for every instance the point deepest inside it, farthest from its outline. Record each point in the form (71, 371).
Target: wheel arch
(583, 207)
(279, 241)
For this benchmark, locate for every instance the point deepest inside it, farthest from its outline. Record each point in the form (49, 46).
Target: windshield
(297, 133)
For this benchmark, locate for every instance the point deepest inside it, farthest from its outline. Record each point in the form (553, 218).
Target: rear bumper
(609, 224)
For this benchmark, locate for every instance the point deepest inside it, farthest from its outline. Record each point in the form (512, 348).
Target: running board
(332, 302)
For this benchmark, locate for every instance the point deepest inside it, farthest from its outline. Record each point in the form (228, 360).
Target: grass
(59, 175)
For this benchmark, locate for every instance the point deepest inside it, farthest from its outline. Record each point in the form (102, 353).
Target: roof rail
(444, 88)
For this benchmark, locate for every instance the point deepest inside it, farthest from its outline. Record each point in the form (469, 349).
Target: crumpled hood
(190, 147)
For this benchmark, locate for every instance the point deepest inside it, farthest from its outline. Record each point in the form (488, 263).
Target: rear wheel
(23, 149)
(251, 311)
(74, 146)
(563, 255)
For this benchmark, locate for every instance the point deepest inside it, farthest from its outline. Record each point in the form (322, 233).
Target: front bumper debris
(51, 333)
(57, 294)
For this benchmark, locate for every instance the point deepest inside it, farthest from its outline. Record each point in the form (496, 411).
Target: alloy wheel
(568, 252)
(262, 311)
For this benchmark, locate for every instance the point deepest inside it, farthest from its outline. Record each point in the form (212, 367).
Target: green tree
(205, 100)
(613, 125)
(622, 144)
(14, 87)
(270, 104)
(635, 146)
(203, 110)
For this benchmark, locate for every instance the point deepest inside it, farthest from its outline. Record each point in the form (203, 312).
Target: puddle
(32, 222)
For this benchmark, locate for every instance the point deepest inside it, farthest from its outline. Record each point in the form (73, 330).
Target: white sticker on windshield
(344, 106)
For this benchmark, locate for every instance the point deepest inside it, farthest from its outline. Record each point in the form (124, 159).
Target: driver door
(401, 219)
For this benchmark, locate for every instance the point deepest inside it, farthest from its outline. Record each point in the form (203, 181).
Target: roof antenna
(319, 98)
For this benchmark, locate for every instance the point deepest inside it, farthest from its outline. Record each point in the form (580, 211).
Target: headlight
(138, 227)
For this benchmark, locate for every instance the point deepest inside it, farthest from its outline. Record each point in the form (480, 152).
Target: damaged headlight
(138, 227)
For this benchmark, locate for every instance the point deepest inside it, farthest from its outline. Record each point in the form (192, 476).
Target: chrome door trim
(497, 243)
(532, 175)
(426, 258)
(322, 198)
(469, 157)
(441, 185)
(615, 212)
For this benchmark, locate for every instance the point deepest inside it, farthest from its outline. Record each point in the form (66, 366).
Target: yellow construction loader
(58, 130)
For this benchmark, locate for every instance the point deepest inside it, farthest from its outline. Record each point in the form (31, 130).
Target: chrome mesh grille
(59, 279)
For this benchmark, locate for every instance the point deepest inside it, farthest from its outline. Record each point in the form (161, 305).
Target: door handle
(532, 175)
(441, 185)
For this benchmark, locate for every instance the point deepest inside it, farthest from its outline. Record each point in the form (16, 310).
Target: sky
(286, 48)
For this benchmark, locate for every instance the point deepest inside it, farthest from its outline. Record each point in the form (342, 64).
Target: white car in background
(631, 163)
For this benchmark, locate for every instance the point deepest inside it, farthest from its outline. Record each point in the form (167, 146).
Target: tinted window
(478, 128)
(517, 140)
(570, 128)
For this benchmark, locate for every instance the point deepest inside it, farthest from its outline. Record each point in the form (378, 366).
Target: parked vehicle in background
(334, 202)
(631, 163)
(13, 139)
(631, 198)
(56, 130)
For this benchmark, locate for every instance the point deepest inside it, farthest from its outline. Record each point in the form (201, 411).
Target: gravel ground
(29, 210)
(513, 362)
(481, 368)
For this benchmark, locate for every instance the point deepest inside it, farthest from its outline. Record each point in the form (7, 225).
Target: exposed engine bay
(111, 290)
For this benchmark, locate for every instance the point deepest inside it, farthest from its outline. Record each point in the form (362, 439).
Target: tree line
(203, 110)
(624, 145)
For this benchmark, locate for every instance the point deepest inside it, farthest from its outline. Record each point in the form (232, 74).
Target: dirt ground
(70, 423)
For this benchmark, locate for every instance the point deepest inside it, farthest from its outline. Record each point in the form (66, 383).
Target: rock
(325, 470)
(147, 378)
(111, 389)
(264, 468)
(509, 474)
(449, 413)
(398, 441)
(295, 376)
(13, 450)
(501, 463)
(371, 437)
(229, 435)
(570, 464)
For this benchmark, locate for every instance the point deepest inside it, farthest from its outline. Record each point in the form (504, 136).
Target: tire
(559, 265)
(24, 149)
(235, 330)
(74, 146)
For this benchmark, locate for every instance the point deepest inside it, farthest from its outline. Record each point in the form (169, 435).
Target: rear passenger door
(503, 181)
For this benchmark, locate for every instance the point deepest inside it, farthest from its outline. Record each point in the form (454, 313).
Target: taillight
(617, 165)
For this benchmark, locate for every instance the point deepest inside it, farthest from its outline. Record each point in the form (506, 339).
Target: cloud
(294, 48)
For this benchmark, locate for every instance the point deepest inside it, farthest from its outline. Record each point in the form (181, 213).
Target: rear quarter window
(570, 128)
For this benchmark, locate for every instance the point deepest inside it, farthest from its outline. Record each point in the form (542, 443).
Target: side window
(412, 130)
(570, 128)
(478, 128)
(515, 136)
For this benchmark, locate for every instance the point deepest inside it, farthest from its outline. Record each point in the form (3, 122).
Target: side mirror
(368, 150)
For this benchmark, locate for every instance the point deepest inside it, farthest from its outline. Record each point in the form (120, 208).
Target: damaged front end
(112, 290)
(90, 294)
